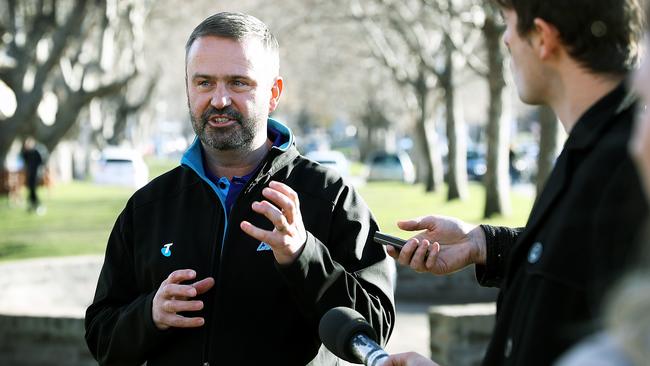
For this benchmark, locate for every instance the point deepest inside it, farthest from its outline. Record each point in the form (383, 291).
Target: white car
(121, 167)
(385, 166)
(331, 159)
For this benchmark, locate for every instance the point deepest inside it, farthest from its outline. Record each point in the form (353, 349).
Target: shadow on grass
(14, 250)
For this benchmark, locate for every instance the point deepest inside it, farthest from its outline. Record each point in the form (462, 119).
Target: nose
(220, 97)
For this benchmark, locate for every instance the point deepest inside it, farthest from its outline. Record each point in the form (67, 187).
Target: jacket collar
(192, 158)
(598, 117)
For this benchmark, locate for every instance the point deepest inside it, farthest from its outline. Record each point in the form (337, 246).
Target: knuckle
(168, 306)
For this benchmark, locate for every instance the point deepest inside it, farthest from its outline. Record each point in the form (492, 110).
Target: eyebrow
(212, 77)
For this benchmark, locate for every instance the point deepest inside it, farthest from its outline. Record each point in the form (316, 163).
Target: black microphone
(349, 336)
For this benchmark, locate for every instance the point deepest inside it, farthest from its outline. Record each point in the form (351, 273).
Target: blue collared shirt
(230, 189)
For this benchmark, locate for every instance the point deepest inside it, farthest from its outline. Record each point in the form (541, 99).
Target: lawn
(78, 219)
(391, 202)
(80, 215)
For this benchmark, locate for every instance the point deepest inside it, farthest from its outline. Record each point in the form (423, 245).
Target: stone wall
(460, 333)
(458, 288)
(44, 300)
(43, 341)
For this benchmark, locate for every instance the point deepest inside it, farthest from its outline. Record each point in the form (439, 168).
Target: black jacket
(257, 312)
(554, 273)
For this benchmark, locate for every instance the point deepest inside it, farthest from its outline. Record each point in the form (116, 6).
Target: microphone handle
(367, 350)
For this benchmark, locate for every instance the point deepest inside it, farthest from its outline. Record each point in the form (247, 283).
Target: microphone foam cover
(338, 326)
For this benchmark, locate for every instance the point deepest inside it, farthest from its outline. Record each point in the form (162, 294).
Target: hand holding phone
(386, 239)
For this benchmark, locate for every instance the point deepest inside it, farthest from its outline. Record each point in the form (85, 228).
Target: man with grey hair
(234, 256)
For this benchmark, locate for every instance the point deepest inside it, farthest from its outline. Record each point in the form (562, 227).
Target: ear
(546, 42)
(276, 91)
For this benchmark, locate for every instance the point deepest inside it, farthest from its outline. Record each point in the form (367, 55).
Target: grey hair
(238, 27)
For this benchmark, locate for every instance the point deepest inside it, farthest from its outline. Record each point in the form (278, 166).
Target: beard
(238, 136)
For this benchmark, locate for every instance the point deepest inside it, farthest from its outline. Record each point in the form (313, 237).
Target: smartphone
(386, 239)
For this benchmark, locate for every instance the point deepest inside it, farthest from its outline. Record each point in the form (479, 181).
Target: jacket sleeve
(499, 240)
(119, 325)
(349, 270)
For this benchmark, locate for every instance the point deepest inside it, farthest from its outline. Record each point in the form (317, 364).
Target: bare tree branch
(11, 9)
(60, 39)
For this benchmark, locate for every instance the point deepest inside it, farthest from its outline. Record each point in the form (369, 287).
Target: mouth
(221, 121)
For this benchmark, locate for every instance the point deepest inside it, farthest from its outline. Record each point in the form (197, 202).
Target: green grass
(391, 202)
(80, 215)
(78, 219)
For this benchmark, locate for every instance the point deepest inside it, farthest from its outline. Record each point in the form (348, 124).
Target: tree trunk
(66, 117)
(548, 145)
(25, 56)
(71, 107)
(433, 175)
(16, 125)
(497, 192)
(8, 131)
(456, 138)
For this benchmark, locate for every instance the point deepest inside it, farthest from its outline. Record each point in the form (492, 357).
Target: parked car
(331, 159)
(476, 165)
(385, 166)
(121, 167)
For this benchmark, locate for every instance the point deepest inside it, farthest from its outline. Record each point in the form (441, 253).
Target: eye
(203, 83)
(239, 83)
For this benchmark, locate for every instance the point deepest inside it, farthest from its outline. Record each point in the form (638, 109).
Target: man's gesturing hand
(172, 297)
(288, 237)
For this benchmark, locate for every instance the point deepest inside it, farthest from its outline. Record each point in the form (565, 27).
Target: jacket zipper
(249, 187)
(208, 325)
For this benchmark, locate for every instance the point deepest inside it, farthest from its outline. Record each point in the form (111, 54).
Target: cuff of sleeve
(491, 273)
(297, 271)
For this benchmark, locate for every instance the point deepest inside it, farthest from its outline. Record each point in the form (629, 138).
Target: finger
(419, 257)
(176, 306)
(392, 251)
(180, 275)
(273, 214)
(180, 321)
(407, 251)
(257, 233)
(178, 291)
(285, 189)
(203, 285)
(410, 225)
(433, 255)
(281, 201)
(293, 208)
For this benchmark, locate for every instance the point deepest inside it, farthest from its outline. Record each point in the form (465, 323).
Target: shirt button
(508, 349)
(535, 253)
